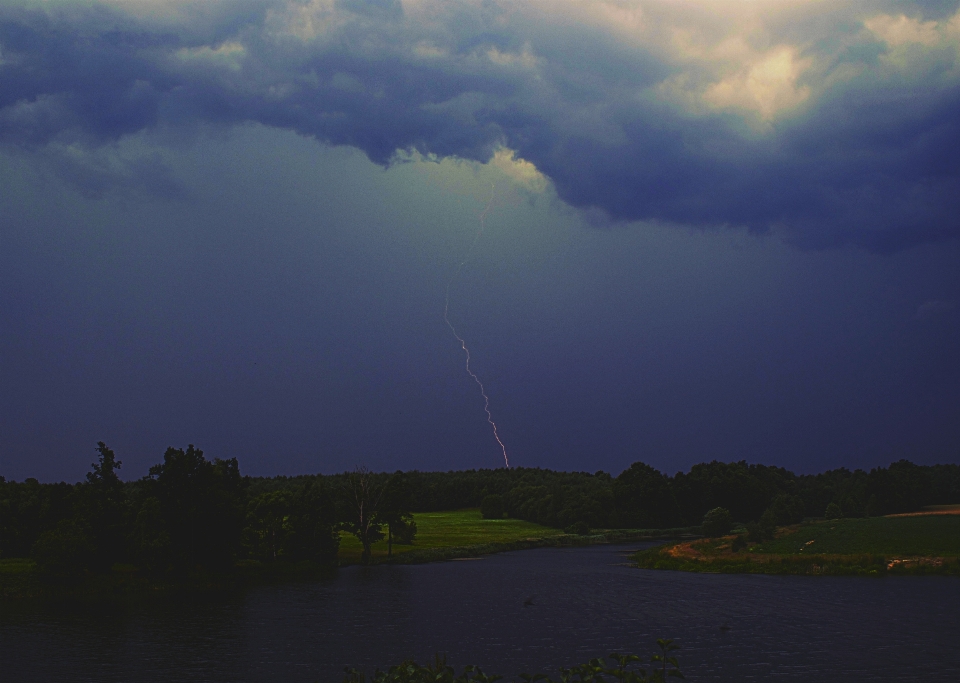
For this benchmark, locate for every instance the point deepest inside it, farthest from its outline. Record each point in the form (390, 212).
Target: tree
(363, 496)
(102, 509)
(103, 473)
(785, 509)
(313, 534)
(150, 540)
(644, 499)
(268, 525)
(717, 522)
(202, 507)
(768, 525)
(745, 490)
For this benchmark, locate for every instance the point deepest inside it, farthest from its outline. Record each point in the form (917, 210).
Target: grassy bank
(464, 533)
(458, 528)
(439, 531)
(874, 547)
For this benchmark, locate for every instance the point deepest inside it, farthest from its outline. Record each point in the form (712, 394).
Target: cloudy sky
(711, 230)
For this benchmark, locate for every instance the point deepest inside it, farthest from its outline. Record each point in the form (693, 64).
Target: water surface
(585, 603)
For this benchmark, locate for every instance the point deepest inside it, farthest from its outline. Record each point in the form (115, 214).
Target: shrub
(785, 509)
(717, 522)
(833, 511)
(739, 543)
(491, 507)
(619, 668)
(768, 524)
(581, 528)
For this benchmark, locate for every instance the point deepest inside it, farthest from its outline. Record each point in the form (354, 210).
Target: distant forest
(191, 514)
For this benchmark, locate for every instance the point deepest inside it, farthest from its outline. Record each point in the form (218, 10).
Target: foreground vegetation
(928, 544)
(621, 668)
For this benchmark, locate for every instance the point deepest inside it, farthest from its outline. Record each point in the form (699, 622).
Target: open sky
(713, 230)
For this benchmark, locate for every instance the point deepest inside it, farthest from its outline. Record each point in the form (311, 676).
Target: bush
(739, 543)
(618, 669)
(768, 524)
(717, 522)
(581, 528)
(833, 511)
(785, 509)
(491, 507)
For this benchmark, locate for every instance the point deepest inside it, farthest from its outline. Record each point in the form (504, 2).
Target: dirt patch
(932, 510)
(684, 551)
(907, 561)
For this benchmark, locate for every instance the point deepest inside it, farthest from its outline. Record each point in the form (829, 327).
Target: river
(523, 611)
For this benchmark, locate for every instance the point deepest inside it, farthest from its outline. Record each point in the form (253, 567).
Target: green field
(871, 546)
(932, 535)
(454, 529)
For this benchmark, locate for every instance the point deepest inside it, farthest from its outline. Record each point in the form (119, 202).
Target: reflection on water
(584, 604)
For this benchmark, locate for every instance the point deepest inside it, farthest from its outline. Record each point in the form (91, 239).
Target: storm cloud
(831, 124)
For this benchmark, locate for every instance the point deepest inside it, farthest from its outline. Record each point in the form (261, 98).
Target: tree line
(642, 497)
(192, 514)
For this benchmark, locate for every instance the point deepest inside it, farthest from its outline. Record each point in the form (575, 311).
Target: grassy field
(873, 546)
(932, 535)
(459, 528)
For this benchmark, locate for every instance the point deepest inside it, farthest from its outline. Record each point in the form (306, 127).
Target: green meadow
(933, 535)
(862, 546)
(439, 531)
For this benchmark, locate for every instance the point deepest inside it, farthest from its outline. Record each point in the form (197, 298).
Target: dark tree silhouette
(644, 499)
(202, 506)
(102, 510)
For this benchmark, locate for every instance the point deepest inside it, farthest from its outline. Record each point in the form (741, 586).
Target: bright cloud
(522, 172)
(901, 30)
(766, 87)
(228, 55)
(837, 122)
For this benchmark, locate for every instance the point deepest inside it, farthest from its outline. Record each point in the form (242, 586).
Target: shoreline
(801, 565)
(27, 584)
(426, 555)
(924, 544)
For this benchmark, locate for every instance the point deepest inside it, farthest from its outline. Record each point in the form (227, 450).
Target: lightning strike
(463, 343)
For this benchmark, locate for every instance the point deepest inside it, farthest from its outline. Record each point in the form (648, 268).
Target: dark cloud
(837, 129)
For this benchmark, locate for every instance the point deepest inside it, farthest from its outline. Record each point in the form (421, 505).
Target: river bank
(442, 536)
(901, 545)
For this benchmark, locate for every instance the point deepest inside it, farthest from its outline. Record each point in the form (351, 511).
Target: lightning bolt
(463, 343)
